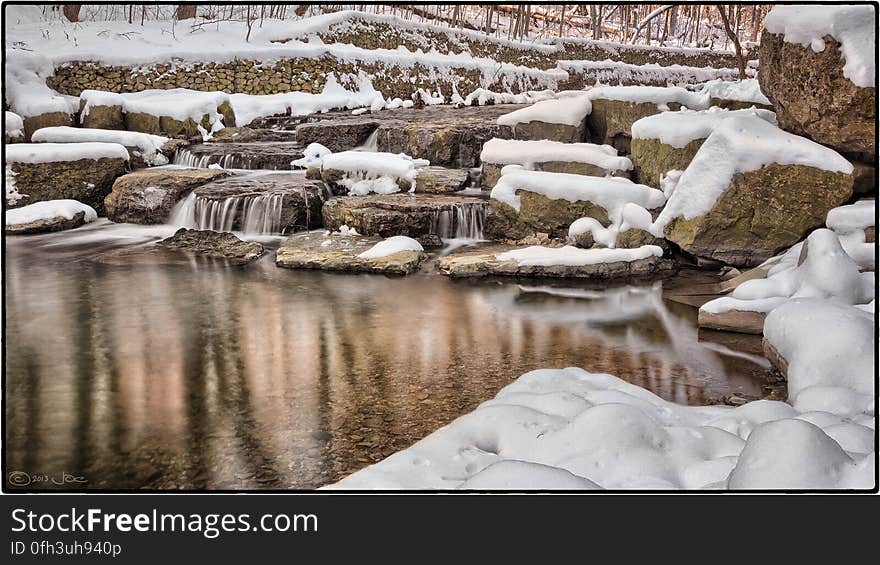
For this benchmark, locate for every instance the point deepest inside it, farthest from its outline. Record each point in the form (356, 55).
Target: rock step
(337, 252)
(271, 155)
(413, 215)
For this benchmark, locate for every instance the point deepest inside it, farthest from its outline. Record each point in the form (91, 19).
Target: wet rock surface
(413, 215)
(337, 252)
(58, 223)
(483, 263)
(147, 196)
(86, 180)
(740, 321)
(271, 155)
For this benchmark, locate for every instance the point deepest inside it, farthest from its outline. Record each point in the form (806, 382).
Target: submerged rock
(147, 196)
(213, 245)
(338, 252)
(413, 215)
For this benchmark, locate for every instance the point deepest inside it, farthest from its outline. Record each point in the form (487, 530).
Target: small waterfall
(187, 158)
(461, 222)
(253, 215)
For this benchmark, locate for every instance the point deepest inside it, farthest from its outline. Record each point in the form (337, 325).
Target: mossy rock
(142, 122)
(761, 213)
(228, 114)
(538, 214)
(572, 168)
(737, 104)
(103, 117)
(652, 158)
(610, 121)
(86, 180)
(49, 119)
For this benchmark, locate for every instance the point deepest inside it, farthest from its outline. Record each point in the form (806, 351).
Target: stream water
(213, 377)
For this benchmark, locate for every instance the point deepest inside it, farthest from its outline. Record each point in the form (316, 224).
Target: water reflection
(172, 377)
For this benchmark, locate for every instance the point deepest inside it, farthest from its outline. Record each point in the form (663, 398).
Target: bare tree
(740, 60)
(71, 12)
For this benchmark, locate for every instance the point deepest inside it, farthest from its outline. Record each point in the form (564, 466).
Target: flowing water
(253, 214)
(212, 377)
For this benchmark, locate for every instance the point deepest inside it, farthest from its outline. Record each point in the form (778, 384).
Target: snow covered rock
(617, 108)
(177, 112)
(13, 128)
(817, 66)
(144, 149)
(102, 110)
(147, 196)
(735, 94)
(64, 171)
(551, 156)
(413, 215)
(48, 216)
(335, 251)
(358, 173)
(668, 141)
(525, 202)
(559, 262)
(562, 120)
(852, 218)
(752, 190)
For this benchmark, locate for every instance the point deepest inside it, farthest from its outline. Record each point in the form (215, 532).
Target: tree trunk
(562, 20)
(185, 11)
(71, 12)
(740, 60)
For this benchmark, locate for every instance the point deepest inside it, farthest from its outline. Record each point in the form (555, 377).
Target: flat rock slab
(184, 247)
(739, 321)
(58, 223)
(337, 252)
(147, 196)
(441, 180)
(483, 263)
(271, 155)
(413, 215)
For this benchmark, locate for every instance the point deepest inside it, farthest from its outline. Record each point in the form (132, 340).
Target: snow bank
(680, 128)
(538, 256)
(570, 111)
(567, 428)
(390, 246)
(249, 107)
(827, 272)
(829, 348)
(527, 153)
(662, 96)
(365, 172)
(853, 217)
(49, 209)
(853, 27)
(148, 144)
(737, 145)
(609, 192)
(13, 125)
(25, 82)
(747, 90)
(55, 152)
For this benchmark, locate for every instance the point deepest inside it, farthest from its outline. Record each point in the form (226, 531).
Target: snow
(483, 96)
(11, 192)
(365, 171)
(739, 145)
(576, 257)
(609, 71)
(748, 90)
(390, 246)
(610, 193)
(249, 107)
(827, 345)
(661, 96)
(631, 216)
(570, 111)
(49, 209)
(854, 27)
(827, 272)
(55, 152)
(853, 217)
(25, 80)
(684, 126)
(527, 153)
(13, 126)
(313, 156)
(148, 144)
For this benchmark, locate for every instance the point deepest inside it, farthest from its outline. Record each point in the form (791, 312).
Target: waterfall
(461, 222)
(252, 215)
(187, 158)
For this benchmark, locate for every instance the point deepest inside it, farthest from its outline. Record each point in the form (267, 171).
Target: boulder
(86, 180)
(633, 237)
(102, 117)
(813, 98)
(49, 119)
(46, 225)
(338, 252)
(538, 214)
(761, 213)
(537, 130)
(492, 171)
(610, 121)
(212, 245)
(413, 215)
(864, 179)
(484, 263)
(340, 135)
(440, 180)
(652, 158)
(147, 196)
(299, 200)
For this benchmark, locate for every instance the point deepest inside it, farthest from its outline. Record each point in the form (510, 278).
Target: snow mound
(13, 125)
(609, 192)
(482, 96)
(853, 217)
(25, 81)
(55, 152)
(365, 172)
(576, 257)
(570, 111)
(390, 246)
(49, 209)
(737, 145)
(527, 153)
(149, 145)
(680, 128)
(854, 27)
(747, 90)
